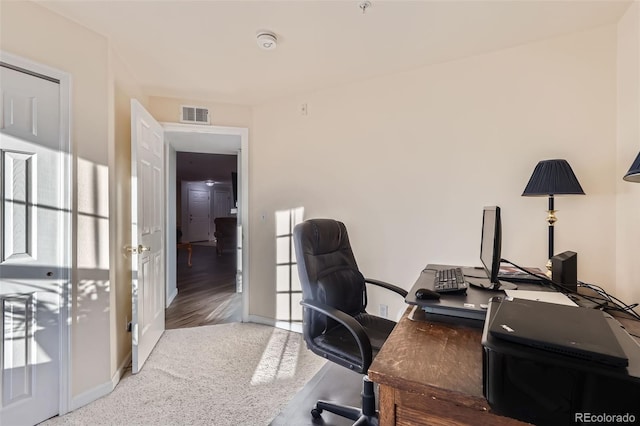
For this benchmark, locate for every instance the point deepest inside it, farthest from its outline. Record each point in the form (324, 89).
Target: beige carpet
(227, 374)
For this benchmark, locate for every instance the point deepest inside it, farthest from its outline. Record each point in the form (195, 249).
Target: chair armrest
(353, 326)
(402, 292)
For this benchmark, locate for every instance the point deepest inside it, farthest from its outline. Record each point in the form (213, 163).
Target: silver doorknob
(137, 250)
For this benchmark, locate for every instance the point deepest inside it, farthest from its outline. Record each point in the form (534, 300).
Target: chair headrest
(322, 236)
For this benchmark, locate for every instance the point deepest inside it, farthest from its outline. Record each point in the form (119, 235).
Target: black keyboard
(449, 280)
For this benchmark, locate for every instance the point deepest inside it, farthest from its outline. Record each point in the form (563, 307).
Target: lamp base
(549, 266)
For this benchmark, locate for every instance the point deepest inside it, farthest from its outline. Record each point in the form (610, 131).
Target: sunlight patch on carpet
(223, 309)
(202, 376)
(279, 359)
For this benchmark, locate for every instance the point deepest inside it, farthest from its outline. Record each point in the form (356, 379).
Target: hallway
(206, 291)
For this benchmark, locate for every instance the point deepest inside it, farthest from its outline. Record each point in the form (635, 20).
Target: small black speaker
(564, 269)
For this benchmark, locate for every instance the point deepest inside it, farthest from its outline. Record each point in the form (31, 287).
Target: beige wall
(407, 161)
(628, 201)
(167, 110)
(33, 32)
(368, 154)
(101, 88)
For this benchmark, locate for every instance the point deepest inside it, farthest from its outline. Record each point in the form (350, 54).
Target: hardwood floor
(206, 290)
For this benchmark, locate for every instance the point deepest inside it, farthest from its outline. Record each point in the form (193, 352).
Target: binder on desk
(516, 275)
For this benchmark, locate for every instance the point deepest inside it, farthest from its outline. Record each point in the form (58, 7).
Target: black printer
(551, 364)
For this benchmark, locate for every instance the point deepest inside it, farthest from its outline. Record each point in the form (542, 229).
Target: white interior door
(31, 274)
(199, 206)
(147, 214)
(221, 203)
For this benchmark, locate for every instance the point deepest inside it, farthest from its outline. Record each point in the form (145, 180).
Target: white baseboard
(285, 325)
(291, 326)
(172, 296)
(101, 390)
(115, 379)
(262, 320)
(91, 395)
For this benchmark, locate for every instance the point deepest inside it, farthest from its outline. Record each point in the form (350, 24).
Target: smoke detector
(267, 40)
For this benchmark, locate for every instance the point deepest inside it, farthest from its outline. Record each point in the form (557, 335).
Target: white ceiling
(207, 49)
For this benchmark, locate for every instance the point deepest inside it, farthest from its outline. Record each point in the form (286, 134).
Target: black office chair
(335, 323)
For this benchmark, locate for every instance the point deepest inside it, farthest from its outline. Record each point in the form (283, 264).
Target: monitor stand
(487, 285)
(505, 285)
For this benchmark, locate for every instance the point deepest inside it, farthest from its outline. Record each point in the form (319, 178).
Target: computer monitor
(491, 242)
(491, 246)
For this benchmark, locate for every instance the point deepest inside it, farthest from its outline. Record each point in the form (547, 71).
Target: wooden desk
(430, 373)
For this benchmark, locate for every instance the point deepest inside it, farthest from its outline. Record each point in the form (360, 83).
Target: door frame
(243, 188)
(67, 244)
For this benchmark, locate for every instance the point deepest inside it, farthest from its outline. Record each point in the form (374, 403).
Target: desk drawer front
(413, 409)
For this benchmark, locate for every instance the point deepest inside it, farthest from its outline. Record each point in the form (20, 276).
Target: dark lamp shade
(633, 175)
(552, 177)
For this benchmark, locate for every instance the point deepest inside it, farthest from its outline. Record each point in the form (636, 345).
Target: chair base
(365, 416)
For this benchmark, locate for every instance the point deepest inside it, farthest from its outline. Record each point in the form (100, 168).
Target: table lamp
(549, 178)
(633, 175)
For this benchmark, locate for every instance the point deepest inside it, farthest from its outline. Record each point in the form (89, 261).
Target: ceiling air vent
(197, 115)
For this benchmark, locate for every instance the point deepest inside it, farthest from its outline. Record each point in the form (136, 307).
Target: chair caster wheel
(315, 413)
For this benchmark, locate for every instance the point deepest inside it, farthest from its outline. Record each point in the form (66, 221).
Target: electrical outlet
(303, 109)
(384, 310)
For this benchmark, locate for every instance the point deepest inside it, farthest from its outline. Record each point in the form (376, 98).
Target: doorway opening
(206, 224)
(206, 218)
